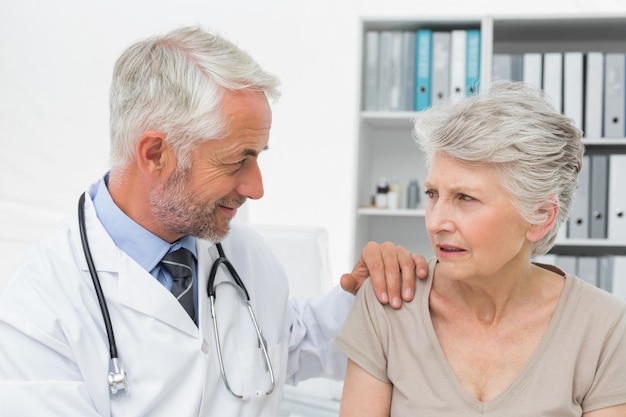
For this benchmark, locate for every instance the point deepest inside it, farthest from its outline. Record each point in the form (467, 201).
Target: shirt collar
(141, 245)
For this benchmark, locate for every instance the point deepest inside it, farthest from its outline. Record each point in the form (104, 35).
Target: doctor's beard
(181, 212)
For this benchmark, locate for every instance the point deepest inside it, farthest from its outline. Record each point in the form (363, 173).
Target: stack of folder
(588, 87)
(414, 70)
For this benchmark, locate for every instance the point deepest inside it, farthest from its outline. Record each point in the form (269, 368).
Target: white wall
(56, 59)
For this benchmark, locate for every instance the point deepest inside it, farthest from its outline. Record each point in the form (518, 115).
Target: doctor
(190, 115)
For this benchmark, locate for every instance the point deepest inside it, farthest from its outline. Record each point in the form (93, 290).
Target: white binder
(458, 64)
(371, 70)
(532, 68)
(614, 99)
(440, 90)
(618, 283)
(617, 198)
(594, 95)
(573, 87)
(587, 269)
(553, 78)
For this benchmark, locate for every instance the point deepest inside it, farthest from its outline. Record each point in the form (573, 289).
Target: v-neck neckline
(520, 379)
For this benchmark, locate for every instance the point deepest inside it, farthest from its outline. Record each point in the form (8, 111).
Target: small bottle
(393, 196)
(412, 194)
(382, 188)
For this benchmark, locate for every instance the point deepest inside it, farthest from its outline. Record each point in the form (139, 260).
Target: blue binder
(423, 56)
(473, 62)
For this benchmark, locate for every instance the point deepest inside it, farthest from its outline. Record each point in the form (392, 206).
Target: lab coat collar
(122, 279)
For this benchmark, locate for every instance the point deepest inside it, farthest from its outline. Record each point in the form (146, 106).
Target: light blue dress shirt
(146, 248)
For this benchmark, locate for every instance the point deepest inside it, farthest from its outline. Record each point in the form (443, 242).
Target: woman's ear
(549, 210)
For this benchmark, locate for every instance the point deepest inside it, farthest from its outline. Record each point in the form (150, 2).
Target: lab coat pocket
(260, 378)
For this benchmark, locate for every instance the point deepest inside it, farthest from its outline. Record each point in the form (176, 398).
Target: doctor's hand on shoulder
(392, 269)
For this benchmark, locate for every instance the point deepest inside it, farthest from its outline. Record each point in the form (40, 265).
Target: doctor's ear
(549, 211)
(153, 153)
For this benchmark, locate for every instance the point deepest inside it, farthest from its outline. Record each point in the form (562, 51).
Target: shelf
(389, 119)
(386, 147)
(371, 211)
(589, 247)
(404, 119)
(605, 146)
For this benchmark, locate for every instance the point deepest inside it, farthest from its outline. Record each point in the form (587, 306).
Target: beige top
(579, 365)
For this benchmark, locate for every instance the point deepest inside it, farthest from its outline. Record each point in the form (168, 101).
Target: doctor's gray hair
(537, 152)
(174, 84)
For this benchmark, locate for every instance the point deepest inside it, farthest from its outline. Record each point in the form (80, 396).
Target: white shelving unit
(386, 147)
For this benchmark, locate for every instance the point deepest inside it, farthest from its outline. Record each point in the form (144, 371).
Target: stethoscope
(117, 377)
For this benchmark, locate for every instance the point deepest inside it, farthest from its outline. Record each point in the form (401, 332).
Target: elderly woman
(489, 332)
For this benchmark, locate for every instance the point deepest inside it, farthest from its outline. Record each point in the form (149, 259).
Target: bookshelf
(386, 148)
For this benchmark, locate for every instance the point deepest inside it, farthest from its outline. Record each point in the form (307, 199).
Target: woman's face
(473, 226)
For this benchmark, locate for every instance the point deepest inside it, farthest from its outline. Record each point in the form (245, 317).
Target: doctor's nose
(251, 185)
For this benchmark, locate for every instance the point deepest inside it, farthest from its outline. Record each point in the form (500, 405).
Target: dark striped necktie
(178, 264)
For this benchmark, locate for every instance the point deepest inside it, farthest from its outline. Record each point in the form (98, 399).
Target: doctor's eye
(238, 165)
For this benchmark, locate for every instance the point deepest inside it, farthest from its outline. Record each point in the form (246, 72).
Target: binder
(618, 279)
(501, 67)
(458, 63)
(573, 87)
(396, 71)
(605, 272)
(407, 71)
(472, 80)
(561, 234)
(371, 70)
(594, 94)
(548, 259)
(614, 100)
(616, 223)
(578, 224)
(507, 67)
(587, 269)
(517, 67)
(385, 71)
(553, 78)
(532, 68)
(598, 193)
(567, 264)
(440, 71)
(423, 53)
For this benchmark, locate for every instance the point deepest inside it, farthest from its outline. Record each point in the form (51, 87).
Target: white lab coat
(54, 353)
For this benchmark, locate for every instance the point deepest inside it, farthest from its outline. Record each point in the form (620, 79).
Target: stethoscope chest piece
(117, 378)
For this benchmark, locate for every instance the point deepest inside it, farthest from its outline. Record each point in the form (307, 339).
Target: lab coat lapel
(142, 292)
(124, 280)
(206, 252)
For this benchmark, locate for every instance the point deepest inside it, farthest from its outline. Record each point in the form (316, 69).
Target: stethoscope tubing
(94, 277)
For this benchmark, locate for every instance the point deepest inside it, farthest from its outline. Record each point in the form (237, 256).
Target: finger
(373, 260)
(421, 265)
(407, 268)
(348, 283)
(392, 276)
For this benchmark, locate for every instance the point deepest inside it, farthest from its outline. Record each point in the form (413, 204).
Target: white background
(56, 59)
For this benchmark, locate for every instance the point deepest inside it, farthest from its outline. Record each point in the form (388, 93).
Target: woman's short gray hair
(537, 151)
(174, 84)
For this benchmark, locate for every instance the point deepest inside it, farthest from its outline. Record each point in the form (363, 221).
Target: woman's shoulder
(591, 300)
